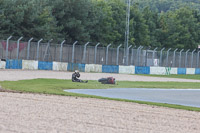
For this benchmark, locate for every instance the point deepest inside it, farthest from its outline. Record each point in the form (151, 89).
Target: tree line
(152, 24)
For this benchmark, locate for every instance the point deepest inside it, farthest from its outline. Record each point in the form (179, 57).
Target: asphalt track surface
(186, 97)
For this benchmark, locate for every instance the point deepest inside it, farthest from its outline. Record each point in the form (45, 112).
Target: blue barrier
(142, 70)
(75, 66)
(110, 69)
(197, 71)
(43, 65)
(13, 64)
(181, 70)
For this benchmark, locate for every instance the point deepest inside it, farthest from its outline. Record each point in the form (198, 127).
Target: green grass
(197, 77)
(56, 87)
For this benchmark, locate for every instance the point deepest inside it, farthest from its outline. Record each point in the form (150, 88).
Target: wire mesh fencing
(103, 55)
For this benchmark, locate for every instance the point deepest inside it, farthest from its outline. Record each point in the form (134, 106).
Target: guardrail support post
(107, 53)
(73, 50)
(18, 47)
(186, 56)
(95, 53)
(84, 52)
(28, 49)
(7, 45)
(153, 57)
(161, 56)
(192, 57)
(38, 48)
(61, 49)
(174, 57)
(167, 57)
(180, 58)
(117, 59)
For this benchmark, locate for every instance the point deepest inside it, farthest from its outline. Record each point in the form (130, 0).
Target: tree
(139, 33)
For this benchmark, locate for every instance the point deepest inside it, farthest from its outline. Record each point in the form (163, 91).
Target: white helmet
(76, 71)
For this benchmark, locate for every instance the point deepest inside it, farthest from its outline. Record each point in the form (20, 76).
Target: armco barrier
(13, 64)
(93, 68)
(75, 66)
(181, 70)
(29, 64)
(190, 70)
(142, 70)
(127, 69)
(2, 64)
(110, 69)
(59, 66)
(158, 70)
(197, 71)
(43, 65)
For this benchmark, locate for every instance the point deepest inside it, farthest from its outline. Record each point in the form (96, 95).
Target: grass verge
(56, 87)
(188, 76)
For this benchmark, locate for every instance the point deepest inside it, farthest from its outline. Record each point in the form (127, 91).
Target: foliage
(155, 23)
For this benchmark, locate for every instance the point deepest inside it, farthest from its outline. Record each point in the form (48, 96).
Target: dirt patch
(6, 90)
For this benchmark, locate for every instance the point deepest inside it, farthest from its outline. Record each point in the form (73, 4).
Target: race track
(22, 112)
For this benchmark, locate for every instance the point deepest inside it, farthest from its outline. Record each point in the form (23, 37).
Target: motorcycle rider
(75, 77)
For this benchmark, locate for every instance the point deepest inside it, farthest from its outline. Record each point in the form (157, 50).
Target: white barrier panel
(2, 64)
(190, 70)
(127, 69)
(93, 68)
(29, 64)
(173, 70)
(158, 70)
(59, 66)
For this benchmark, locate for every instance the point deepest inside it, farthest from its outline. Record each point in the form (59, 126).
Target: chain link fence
(136, 56)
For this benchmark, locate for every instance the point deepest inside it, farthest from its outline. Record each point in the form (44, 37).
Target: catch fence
(86, 54)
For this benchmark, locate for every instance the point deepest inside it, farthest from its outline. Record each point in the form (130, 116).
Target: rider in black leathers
(75, 77)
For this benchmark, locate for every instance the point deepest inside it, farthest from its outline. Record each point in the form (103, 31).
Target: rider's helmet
(76, 71)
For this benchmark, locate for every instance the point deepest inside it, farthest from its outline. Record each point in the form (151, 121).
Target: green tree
(27, 18)
(139, 33)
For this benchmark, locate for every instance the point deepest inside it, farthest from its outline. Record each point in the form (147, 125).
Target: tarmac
(186, 97)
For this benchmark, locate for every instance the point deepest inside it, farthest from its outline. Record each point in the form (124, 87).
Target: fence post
(139, 54)
(38, 46)
(61, 49)
(161, 56)
(117, 59)
(132, 55)
(84, 52)
(107, 53)
(128, 54)
(167, 57)
(7, 44)
(186, 54)
(47, 50)
(154, 55)
(192, 57)
(28, 49)
(174, 57)
(180, 58)
(95, 52)
(197, 59)
(18, 47)
(73, 49)
(146, 55)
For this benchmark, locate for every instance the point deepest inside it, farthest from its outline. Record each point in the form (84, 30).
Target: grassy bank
(197, 77)
(56, 87)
